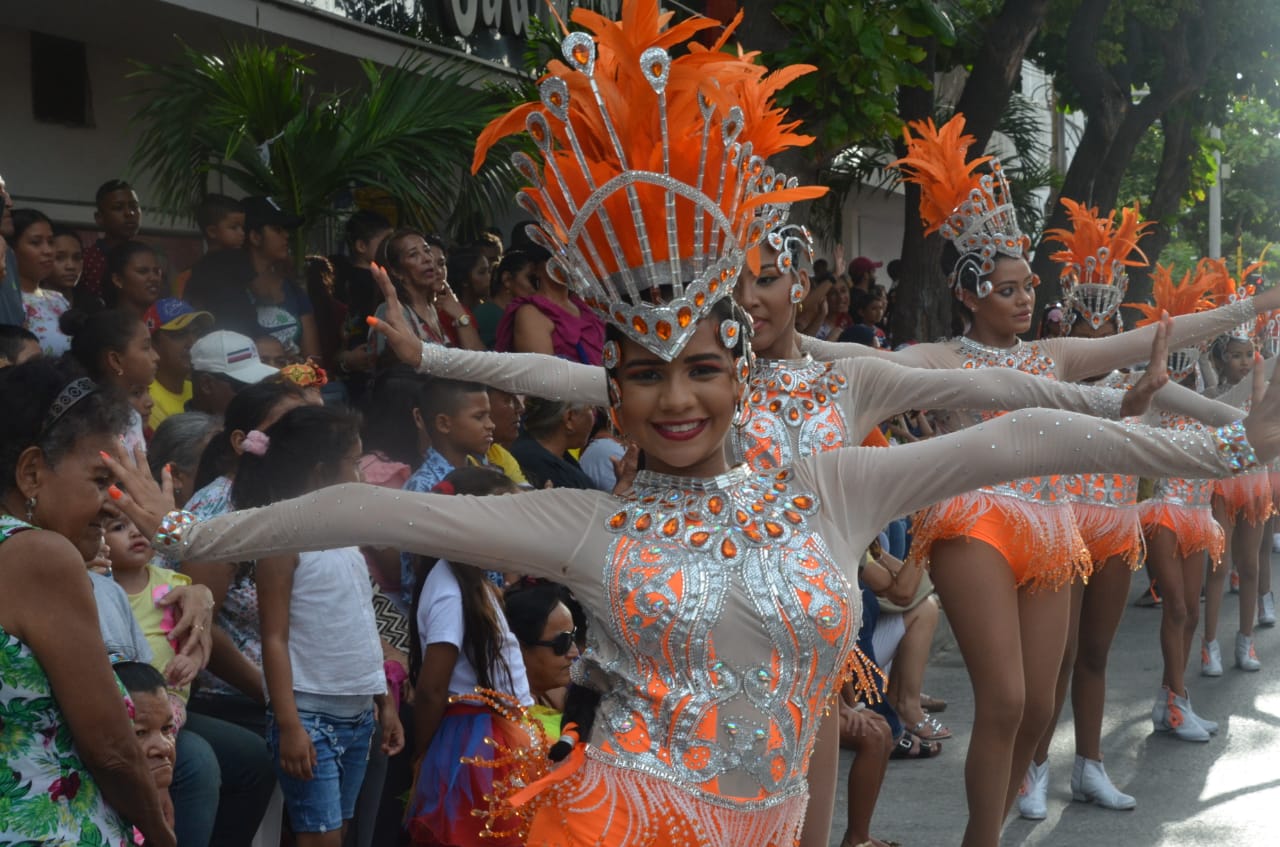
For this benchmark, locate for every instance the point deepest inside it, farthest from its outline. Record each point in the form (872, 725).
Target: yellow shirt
(502, 459)
(167, 403)
(150, 617)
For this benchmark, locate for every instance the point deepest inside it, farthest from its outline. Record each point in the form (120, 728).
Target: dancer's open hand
(401, 338)
(1138, 398)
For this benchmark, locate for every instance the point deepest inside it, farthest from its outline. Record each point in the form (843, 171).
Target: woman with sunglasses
(543, 623)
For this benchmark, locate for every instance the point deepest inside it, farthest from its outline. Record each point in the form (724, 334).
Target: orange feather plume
(1227, 288)
(1092, 237)
(628, 115)
(936, 161)
(1184, 298)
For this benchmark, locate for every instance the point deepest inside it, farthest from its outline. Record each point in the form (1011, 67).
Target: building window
(60, 81)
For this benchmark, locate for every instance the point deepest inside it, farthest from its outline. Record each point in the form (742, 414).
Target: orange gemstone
(699, 299)
(670, 527)
(742, 516)
(803, 502)
(794, 517)
(774, 529)
(699, 538)
(581, 54)
(655, 69)
(728, 548)
(663, 330)
(644, 522)
(754, 534)
(684, 317)
(715, 505)
(618, 520)
(639, 325)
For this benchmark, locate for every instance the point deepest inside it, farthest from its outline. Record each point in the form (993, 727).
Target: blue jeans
(196, 783)
(322, 803)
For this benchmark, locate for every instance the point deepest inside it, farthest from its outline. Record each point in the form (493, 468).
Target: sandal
(929, 729)
(911, 747)
(932, 705)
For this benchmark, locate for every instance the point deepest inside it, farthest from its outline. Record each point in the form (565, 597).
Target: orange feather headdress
(653, 183)
(1184, 298)
(1096, 251)
(1227, 289)
(972, 210)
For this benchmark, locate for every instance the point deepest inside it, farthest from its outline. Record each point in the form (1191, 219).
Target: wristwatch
(463, 320)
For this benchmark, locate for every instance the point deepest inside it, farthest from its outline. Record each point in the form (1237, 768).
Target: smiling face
(71, 492)
(679, 412)
(156, 733)
(767, 299)
(1008, 309)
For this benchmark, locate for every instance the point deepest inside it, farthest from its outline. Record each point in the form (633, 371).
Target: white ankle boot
(1090, 784)
(1210, 727)
(1210, 658)
(1267, 610)
(1172, 713)
(1033, 797)
(1246, 656)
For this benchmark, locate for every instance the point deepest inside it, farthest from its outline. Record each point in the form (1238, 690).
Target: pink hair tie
(256, 443)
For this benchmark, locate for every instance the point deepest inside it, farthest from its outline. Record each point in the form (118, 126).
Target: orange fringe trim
(1111, 531)
(863, 672)
(1194, 527)
(1248, 494)
(1040, 542)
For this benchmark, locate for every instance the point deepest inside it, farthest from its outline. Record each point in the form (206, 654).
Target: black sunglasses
(560, 645)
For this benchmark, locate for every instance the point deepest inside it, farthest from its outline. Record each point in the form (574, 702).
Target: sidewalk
(1220, 793)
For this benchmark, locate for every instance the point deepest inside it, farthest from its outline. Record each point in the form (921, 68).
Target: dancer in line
(721, 621)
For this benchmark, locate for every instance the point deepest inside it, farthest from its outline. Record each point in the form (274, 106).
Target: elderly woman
(67, 737)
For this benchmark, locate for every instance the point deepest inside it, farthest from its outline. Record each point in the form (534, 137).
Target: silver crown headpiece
(983, 228)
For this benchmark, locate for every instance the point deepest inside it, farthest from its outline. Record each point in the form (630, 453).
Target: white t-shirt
(440, 622)
(334, 649)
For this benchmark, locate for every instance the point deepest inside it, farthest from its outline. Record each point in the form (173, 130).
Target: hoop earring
(31, 510)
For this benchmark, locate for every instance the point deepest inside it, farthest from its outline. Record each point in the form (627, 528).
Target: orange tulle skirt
(586, 802)
(1193, 526)
(1248, 494)
(1110, 531)
(1040, 542)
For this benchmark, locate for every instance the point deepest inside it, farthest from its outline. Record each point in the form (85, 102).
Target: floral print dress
(44, 309)
(46, 794)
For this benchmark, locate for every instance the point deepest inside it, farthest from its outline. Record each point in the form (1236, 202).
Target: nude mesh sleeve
(535, 374)
(880, 389)
(538, 532)
(1082, 358)
(830, 351)
(1184, 402)
(865, 488)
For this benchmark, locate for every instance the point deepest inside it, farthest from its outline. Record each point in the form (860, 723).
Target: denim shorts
(323, 802)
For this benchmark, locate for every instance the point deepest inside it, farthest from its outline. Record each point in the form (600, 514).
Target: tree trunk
(922, 302)
(1004, 44)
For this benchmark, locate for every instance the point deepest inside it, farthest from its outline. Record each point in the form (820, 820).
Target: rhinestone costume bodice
(1197, 493)
(693, 561)
(792, 412)
(1030, 358)
(1105, 489)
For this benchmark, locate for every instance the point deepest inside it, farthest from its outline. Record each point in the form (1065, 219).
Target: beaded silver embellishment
(792, 412)
(682, 704)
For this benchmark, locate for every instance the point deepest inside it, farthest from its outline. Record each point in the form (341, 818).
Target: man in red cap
(862, 273)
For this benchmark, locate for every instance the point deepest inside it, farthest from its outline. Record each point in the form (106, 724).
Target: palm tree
(251, 116)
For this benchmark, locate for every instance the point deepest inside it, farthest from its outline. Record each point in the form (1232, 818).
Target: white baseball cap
(230, 354)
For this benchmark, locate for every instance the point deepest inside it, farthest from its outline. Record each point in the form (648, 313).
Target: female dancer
(1241, 506)
(990, 549)
(1097, 252)
(721, 618)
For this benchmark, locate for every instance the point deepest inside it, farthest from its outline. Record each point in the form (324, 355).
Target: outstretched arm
(1238, 395)
(1083, 358)
(831, 351)
(879, 389)
(534, 374)
(539, 533)
(1032, 442)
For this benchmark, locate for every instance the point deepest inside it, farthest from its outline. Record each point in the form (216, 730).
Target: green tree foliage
(252, 116)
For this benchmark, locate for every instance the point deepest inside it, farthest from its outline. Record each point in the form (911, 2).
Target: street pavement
(1225, 792)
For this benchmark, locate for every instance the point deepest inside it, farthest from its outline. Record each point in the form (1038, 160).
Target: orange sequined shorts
(586, 802)
(1248, 494)
(1111, 531)
(1039, 542)
(1193, 526)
